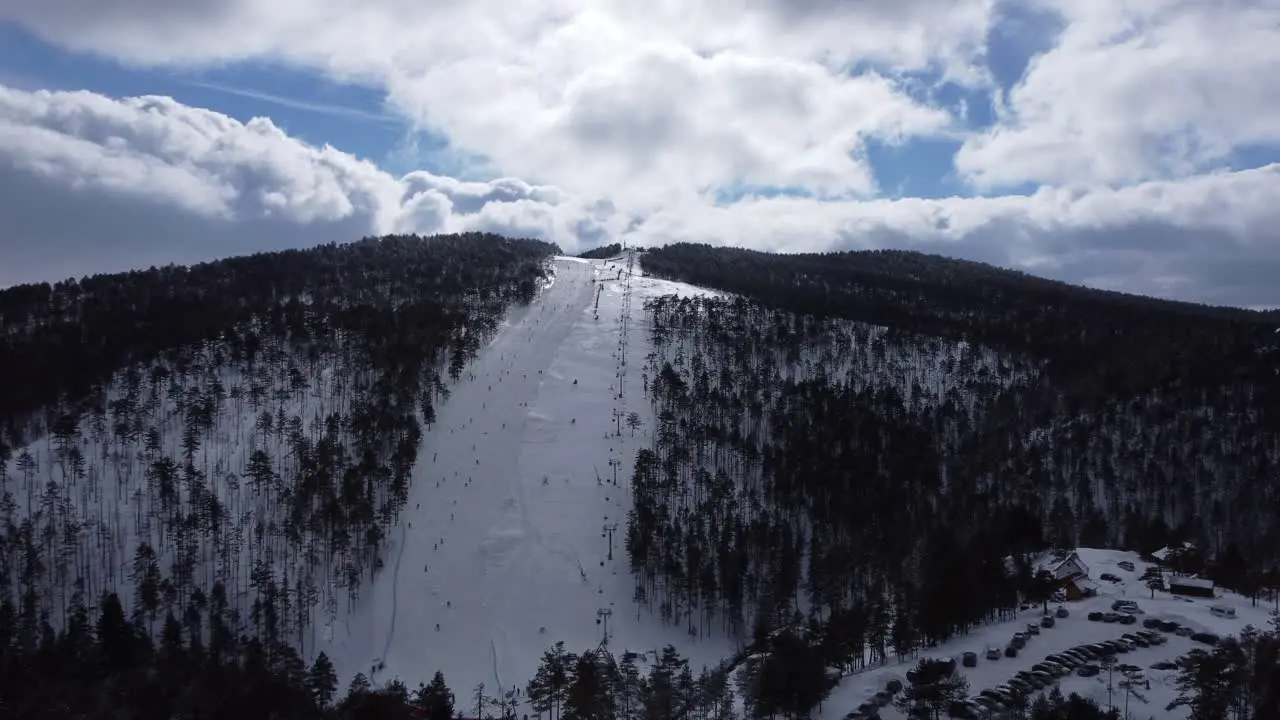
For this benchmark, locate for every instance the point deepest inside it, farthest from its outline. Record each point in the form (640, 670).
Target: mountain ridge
(824, 463)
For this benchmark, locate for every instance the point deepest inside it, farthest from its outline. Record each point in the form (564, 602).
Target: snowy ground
(510, 553)
(1077, 630)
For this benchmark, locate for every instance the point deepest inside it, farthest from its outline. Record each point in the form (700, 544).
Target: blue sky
(1113, 144)
(304, 104)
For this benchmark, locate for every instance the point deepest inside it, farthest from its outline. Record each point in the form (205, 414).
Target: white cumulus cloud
(1136, 90)
(619, 118)
(91, 183)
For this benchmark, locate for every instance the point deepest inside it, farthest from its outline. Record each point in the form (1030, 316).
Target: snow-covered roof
(1164, 552)
(1071, 556)
(1191, 582)
(1050, 561)
(1085, 584)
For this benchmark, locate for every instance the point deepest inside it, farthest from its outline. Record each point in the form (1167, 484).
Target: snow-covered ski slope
(511, 553)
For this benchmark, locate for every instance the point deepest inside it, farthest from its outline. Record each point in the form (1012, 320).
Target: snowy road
(503, 534)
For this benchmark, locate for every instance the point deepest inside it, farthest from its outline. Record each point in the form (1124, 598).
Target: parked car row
(870, 709)
(1082, 660)
(1019, 640)
(1175, 628)
(1113, 617)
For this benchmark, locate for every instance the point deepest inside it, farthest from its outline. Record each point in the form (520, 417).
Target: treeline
(855, 443)
(66, 338)
(197, 667)
(1100, 344)
(252, 422)
(792, 483)
(1113, 420)
(604, 252)
(1239, 678)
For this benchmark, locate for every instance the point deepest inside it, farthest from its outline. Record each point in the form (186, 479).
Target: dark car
(1088, 670)
(970, 659)
(1022, 685)
(1128, 620)
(1047, 621)
(1151, 623)
(1062, 612)
(1109, 577)
(1011, 652)
(1206, 638)
(1168, 626)
(1095, 616)
(1125, 565)
(989, 703)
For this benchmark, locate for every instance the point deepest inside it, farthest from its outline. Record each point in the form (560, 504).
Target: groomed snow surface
(1072, 631)
(502, 544)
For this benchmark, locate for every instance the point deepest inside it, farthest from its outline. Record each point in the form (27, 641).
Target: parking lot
(1143, 673)
(1034, 659)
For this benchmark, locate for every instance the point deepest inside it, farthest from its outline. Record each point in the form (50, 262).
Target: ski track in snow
(495, 540)
(395, 584)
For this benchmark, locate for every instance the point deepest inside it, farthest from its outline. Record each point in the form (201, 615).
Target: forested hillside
(199, 467)
(853, 445)
(234, 437)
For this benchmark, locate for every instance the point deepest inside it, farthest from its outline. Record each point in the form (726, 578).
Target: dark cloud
(52, 232)
(1203, 265)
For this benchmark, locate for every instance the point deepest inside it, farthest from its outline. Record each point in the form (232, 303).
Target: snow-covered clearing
(511, 552)
(1073, 631)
